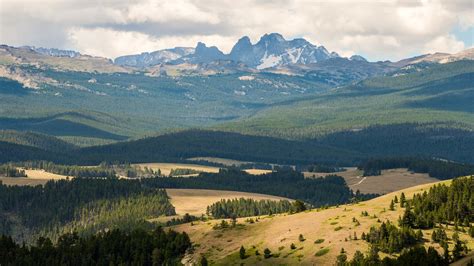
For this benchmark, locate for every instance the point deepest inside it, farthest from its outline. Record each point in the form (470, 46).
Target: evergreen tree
(242, 252)
(267, 253)
(408, 218)
(459, 247)
(358, 259)
(298, 206)
(402, 200)
(392, 206)
(203, 261)
(447, 257)
(341, 258)
(373, 257)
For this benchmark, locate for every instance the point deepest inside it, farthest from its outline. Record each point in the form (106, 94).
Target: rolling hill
(37, 140)
(324, 232)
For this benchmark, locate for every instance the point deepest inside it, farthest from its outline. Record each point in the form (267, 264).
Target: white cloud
(168, 10)
(111, 43)
(444, 44)
(382, 29)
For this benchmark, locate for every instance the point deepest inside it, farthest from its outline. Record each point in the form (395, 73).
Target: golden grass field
(34, 177)
(278, 232)
(390, 180)
(166, 168)
(195, 201)
(40, 177)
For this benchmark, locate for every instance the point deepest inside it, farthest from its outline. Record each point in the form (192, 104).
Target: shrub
(322, 252)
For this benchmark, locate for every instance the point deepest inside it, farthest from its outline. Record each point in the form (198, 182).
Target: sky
(375, 29)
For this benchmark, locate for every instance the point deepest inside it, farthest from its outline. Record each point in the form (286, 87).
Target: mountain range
(272, 50)
(272, 53)
(275, 87)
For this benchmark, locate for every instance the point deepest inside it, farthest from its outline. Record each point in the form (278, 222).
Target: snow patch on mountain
(269, 61)
(294, 54)
(246, 78)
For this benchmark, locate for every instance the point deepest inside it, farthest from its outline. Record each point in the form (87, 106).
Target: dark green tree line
(247, 207)
(115, 247)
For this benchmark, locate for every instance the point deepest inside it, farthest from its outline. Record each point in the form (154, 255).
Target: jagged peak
(272, 37)
(358, 58)
(244, 40)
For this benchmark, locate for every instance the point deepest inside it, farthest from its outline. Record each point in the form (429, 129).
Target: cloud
(444, 44)
(168, 11)
(111, 43)
(383, 29)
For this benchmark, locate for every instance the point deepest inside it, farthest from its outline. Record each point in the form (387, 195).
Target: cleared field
(389, 181)
(195, 201)
(34, 177)
(226, 162)
(42, 174)
(333, 226)
(166, 168)
(22, 181)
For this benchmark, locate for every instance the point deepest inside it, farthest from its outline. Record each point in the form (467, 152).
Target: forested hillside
(114, 106)
(37, 140)
(441, 207)
(115, 247)
(201, 143)
(291, 107)
(85, 205)
(418, 111)
(337, 149)
(438, 94)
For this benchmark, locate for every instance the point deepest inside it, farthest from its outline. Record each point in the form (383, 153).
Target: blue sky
(376, 29)
(466, 35)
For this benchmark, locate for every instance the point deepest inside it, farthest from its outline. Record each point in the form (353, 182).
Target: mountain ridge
(272, 50)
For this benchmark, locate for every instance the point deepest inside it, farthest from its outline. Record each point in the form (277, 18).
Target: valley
(136, 142)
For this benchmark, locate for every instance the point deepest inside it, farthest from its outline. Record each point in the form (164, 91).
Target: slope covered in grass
(324, 232)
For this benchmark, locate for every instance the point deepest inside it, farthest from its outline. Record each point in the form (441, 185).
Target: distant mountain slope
(36, 140)
(57, 125)
(435, 140)
(11, 56)
(10, 152)
(440, 93)
(341, 148)
(124, 104)
(444, 58)
(153, 58)
(54, 52)
(198, 143)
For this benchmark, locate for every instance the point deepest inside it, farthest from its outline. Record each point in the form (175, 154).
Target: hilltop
(323, 229)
